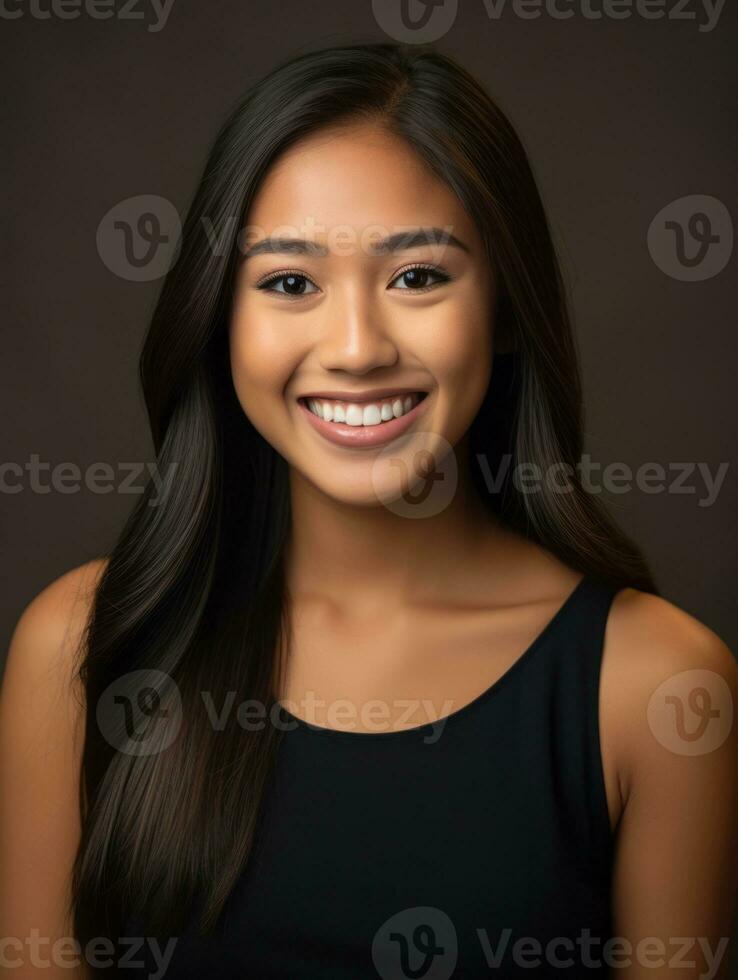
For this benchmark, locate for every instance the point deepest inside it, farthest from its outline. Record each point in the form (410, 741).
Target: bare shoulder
(670, 686)
(52, 624)
(656, 655)
(46, 647)
(42, 714)
(650, 636)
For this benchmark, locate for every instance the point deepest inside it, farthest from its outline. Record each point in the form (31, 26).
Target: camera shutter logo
(139, 239)
(691, 239)
(415, 21)
(140, 712)
(416, 944)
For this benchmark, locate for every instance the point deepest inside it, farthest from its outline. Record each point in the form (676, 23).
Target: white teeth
(354, 415)
(367, 414)
(372, 415)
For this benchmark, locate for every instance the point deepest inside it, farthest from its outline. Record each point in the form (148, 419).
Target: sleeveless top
(472, 846)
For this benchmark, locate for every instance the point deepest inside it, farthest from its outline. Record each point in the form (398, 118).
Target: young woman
(376, 688)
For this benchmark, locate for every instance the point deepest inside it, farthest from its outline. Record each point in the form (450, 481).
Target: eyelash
(277, 276)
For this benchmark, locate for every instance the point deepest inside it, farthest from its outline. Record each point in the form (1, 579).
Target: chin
(358, 491)
(397, 481)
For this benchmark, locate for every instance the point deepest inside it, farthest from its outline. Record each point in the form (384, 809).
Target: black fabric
(417, 853)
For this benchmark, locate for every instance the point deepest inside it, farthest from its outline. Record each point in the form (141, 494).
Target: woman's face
(391, 345)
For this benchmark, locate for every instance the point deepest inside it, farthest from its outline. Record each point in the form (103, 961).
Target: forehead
(357, 176)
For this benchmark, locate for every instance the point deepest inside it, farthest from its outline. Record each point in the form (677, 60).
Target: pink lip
(357, 396)
(361, 436)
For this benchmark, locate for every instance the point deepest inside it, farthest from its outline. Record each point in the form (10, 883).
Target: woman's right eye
(293, 282)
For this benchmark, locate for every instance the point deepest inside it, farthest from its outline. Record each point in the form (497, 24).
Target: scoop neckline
(429, 726)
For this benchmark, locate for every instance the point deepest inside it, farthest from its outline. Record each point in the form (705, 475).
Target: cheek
(262, 360)
(262, 349)
(459, 351)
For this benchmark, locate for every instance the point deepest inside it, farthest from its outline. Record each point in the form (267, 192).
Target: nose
(355, 336)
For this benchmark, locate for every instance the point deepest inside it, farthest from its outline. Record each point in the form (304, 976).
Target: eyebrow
(393, 243)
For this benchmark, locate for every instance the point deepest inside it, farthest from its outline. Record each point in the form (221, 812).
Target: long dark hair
(193, 597)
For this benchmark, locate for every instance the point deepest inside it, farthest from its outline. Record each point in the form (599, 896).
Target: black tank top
(475, 846)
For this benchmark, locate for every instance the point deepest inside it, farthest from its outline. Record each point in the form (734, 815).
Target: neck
(371, 558)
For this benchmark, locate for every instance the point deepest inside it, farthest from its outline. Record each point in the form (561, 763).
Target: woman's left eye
(416, 278)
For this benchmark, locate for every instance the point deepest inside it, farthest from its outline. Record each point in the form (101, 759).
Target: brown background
(620, 117)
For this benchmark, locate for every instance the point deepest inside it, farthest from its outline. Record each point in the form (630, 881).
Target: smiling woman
(395, 303)
(350, 709)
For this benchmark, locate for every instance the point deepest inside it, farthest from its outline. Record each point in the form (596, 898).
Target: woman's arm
(41, 730)
(676, 863)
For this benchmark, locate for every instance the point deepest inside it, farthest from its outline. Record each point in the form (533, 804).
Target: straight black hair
(193, 597)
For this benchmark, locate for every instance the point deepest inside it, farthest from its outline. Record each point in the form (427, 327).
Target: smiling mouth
(364, 414)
